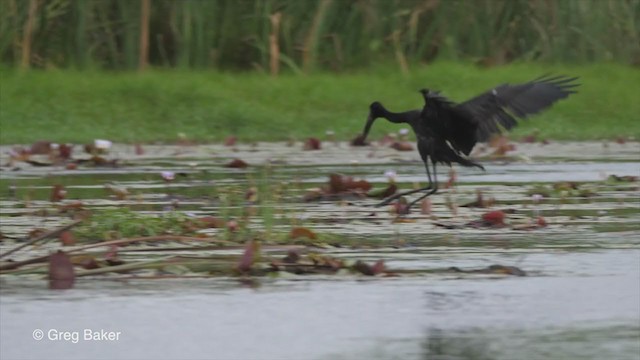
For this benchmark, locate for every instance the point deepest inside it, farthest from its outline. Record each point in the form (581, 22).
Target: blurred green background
(145, 70)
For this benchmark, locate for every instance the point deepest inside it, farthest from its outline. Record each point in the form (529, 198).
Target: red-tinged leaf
(359, 185)
(139, 150)
(298, 232)
(71, 166)
(425, 206)
(338, 183)
(237, 164)
(233, 225)
(501, 145)
(58, 193)
(67, 238)
(211, 222)
(41, 147)
(363, 268)
(621, 140)
(378, 267)
(291, 258)
(230, 141)
(64, 151)
(494, 217)
(72, 206)
(251, 195)
(402, 146)
(359, 140)
(541, 221)
(61, 272)
(401, 207)
(453, 177)
(312, 144)
(366, 269)
(248, 258)
(112, 254)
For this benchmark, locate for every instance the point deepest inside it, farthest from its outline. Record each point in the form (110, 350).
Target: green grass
(68, 106)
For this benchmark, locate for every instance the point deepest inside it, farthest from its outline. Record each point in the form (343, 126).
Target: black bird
(447, 131)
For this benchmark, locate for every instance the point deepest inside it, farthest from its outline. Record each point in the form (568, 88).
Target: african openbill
(447, 131)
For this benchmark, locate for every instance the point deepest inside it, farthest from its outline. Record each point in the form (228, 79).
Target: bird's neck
(398, 118)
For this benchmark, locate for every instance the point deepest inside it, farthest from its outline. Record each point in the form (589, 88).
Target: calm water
(581, 299)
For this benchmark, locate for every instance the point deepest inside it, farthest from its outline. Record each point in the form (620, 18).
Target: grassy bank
(68, 106)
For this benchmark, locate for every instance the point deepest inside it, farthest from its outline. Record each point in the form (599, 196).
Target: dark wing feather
(449, 123)
(499, 107)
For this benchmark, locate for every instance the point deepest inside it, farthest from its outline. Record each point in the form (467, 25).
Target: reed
(313, 34)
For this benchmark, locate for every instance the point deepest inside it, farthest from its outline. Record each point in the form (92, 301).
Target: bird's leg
(396, 196)
(433, 189)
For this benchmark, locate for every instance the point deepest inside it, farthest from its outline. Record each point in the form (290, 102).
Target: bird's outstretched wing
(499, 107)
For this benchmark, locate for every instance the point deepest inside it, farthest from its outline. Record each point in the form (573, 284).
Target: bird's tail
(447, 155)
(468, 163)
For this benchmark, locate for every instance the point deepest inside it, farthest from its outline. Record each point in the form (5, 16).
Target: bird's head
(376, 110)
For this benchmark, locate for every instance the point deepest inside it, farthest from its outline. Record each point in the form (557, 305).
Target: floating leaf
(233, 225)
(87, 262)
(250, 255)
(541, 221)
(494, 217)
(391, 189)
(402, 146)
(378, 267)
(211, 222)
(236, 163)
(338, 183)
(139, 150)
(401, 207)
(626, 178)
(366, 269)
(58, 193)
(61, 272)
(67, 238)
(298, 232)
(251, 195)
(41, 147)
(292, 257)
(312, 144)
(230, 141)
(425, 206)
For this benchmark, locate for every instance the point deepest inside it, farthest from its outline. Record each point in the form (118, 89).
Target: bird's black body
(446, 132)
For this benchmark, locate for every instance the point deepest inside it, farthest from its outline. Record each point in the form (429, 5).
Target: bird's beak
(367, 126)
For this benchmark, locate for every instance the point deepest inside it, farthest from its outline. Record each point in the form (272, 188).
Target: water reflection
(440, 344)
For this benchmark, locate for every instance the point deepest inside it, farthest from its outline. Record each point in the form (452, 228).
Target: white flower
(168, 175)
(403, 131)
(390, 174)
(102, 144)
